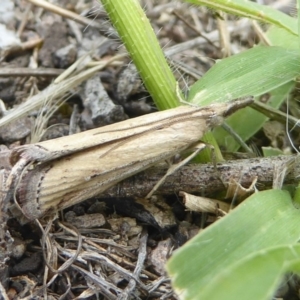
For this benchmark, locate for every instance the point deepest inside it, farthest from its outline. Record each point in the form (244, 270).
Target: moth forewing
(49, 150)
(92, 161)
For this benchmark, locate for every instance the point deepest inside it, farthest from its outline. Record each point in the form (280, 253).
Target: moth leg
(180, 98)
(173, 168)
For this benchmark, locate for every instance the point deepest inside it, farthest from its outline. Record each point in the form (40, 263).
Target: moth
(55, 174)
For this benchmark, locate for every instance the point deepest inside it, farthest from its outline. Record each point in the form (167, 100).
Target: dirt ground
(108, 247)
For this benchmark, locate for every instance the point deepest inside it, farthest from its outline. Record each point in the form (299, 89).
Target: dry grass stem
(65, 13)
(54, 91)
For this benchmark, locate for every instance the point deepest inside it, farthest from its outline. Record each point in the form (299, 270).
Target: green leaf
(140, 40)
(280, 37)
(252, 72)
(264, 220)
(255, 277)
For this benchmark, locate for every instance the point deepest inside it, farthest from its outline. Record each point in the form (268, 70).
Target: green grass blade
(136, 33)
(255, 11)
(252, 72)
(255, 277)
(279, 37)
(266, 219)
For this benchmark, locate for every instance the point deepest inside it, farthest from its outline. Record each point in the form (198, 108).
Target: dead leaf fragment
(203, 204)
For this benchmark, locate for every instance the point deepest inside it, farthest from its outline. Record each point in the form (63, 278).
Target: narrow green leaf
(280, 37)
(252, 72)
(140, 41)
(264, 220)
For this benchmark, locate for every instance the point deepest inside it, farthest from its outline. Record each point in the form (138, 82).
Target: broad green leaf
(255, 277)
(252, 10)
(266, 219)
(280, 37)
(252, 72)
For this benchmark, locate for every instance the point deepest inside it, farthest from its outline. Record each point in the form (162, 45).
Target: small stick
(206, 179)
(142, 254)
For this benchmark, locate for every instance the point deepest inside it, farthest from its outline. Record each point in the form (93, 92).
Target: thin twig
(104, 286)
(45, 72)
(206, 178)
(139, 266)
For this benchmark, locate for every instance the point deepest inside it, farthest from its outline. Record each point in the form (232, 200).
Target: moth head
(215, 120)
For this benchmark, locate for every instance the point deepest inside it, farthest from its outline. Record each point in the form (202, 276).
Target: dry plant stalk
(55, 174)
